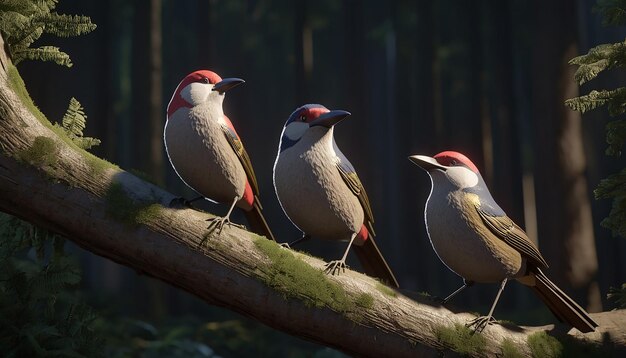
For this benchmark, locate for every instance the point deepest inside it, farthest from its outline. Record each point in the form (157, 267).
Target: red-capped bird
(206, 152)
(320, 191)
(475, 238)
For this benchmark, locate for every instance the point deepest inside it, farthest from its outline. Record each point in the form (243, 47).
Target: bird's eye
(205, 80)
(453, 163)
(303, 118)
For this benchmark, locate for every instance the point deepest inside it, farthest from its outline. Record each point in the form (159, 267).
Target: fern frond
(65, 25)
(43, 53)
(615, 100)
(73, 124)
(74, 120)
(28, 36)
(598, 59)
(12, 25)
(19, 6)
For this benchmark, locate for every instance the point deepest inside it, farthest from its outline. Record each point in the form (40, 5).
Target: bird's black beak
(427, 163)
(330, 119)
(226, 84)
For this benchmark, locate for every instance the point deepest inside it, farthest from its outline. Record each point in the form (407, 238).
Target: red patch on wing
(448, 157)
(177, 100)
(362, 236)
(247, 200)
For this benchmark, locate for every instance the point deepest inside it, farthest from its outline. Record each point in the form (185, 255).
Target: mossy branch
(116, 215)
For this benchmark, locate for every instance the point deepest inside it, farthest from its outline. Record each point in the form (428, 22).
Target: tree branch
(47, 180)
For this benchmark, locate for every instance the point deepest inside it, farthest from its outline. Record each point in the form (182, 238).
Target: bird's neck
(210, 112)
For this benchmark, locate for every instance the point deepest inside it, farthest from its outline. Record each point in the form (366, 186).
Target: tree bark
(68, 194)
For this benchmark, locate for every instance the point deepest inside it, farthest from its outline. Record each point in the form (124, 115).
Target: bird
(206, 152)
(475, 239)
(320, 192)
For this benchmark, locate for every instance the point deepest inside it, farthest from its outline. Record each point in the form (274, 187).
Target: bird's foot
(479, 323)
(180, 203)
(335, 267)
(218, 222)
(284, 245)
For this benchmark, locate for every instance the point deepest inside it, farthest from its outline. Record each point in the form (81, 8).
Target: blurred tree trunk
(303, 47)
(148, 113)
(148, 109)
(156, 110)
(564, 214)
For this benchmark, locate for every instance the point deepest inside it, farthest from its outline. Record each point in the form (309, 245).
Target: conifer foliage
(22, 22)
(603, 58)
(40, 314)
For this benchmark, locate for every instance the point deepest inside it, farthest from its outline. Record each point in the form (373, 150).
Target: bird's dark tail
(374, 263)
(257, 221)
(563, 307)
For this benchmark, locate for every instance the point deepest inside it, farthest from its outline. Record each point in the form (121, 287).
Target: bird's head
(451, 166)
(309, 118)
(200, 87)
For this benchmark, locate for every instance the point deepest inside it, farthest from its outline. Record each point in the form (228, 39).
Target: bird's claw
(217, 223)
(335, 267)
(284, 245)
(480, 323)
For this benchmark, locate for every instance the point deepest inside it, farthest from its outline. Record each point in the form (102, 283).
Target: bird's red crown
(451, 158)
(202, 76)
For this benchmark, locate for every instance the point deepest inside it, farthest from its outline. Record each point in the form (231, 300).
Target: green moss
(364, 300)
(386, 290)
(510, 350)
(17, 85)
(97, 165)
(295, 278)
(123, 208)
(149, 213)
(460, 339)
(543, 345)
(43, 152)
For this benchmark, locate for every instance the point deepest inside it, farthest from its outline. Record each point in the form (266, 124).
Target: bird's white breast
(456, 240)
(311, 190)
(201, 155)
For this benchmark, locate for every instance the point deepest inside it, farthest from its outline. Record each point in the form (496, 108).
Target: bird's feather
(505, 229)
(353, 182)
(237, 145)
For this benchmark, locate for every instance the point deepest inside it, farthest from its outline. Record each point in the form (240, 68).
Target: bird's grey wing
(505, 229)
(233, 139)
(354, 183)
